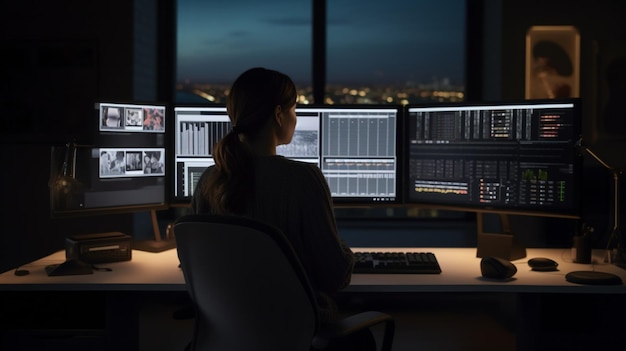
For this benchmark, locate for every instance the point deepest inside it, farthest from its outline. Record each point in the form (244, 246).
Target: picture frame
(552, 62)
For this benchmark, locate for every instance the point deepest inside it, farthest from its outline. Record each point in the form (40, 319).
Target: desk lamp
(619, 257)
(65, 186)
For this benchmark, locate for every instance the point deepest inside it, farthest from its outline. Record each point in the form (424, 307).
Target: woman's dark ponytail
(251, 104)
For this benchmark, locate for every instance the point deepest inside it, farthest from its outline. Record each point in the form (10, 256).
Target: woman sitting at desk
(249, 179)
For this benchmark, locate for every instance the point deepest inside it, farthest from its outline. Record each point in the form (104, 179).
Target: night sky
(381, 42)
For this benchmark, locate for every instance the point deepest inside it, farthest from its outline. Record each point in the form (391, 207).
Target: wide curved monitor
(355, 146)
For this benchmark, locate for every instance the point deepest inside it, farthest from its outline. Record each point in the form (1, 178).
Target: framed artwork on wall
(552, 62)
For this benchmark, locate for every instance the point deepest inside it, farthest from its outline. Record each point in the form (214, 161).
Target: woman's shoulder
(281, 160)
(289, 171)
(206, 173)
(286, 164)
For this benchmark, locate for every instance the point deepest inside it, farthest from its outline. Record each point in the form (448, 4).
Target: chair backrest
(248, 287)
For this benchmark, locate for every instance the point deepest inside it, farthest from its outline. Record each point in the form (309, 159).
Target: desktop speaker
(99, 247)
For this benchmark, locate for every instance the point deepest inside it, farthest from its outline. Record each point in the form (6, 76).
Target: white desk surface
(460, 273)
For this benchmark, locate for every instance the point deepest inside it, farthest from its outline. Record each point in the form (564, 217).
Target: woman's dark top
(294, 197)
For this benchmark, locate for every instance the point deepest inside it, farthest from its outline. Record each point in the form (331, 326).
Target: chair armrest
(353, 323)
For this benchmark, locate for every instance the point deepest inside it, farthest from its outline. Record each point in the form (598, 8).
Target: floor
(430, 322)
(446, 322)
(425, 321)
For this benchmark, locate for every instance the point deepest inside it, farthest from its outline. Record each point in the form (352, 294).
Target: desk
(158, 272)
(460, 273)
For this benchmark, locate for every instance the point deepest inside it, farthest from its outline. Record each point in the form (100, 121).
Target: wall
(601, 30)
(602, 41)
(59, 58)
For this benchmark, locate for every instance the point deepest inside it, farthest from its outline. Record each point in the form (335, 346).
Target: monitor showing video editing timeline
(359, 147)
(515, 157)
(354, 146)
(124, 170)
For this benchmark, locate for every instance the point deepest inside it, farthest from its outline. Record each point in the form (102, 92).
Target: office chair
(250, 292)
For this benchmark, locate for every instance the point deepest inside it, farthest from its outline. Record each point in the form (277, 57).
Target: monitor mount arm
(616, 232)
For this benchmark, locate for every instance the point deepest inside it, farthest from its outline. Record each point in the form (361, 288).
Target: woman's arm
(332, 259)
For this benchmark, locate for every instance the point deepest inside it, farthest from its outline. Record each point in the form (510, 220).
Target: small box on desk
(99, 247)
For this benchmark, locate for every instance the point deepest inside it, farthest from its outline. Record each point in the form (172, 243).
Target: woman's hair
(250, 104)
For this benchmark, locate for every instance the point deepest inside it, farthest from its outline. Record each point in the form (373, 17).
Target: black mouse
(497, 268)
(21, 272)
(543, 264)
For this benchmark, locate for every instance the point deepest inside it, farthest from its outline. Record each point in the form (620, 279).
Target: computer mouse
(21, 272)
(542, 264)
(497, 268)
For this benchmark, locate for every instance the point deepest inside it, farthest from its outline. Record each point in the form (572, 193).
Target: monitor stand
(503, 245)
(158, 244)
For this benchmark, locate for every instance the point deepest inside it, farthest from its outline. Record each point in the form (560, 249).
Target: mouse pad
(593, 278)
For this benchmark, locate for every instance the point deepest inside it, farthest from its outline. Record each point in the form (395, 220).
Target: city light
(436, 91)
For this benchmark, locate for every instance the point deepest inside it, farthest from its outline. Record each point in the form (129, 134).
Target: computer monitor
(358, 151)
(123, 171)
(199, 128)
(518, 157)
(354, 146)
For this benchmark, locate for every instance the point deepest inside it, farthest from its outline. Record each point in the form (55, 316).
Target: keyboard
(395, 263)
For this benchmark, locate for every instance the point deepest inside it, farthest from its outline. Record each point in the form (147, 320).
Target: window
(395, 51)
(219, 40)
